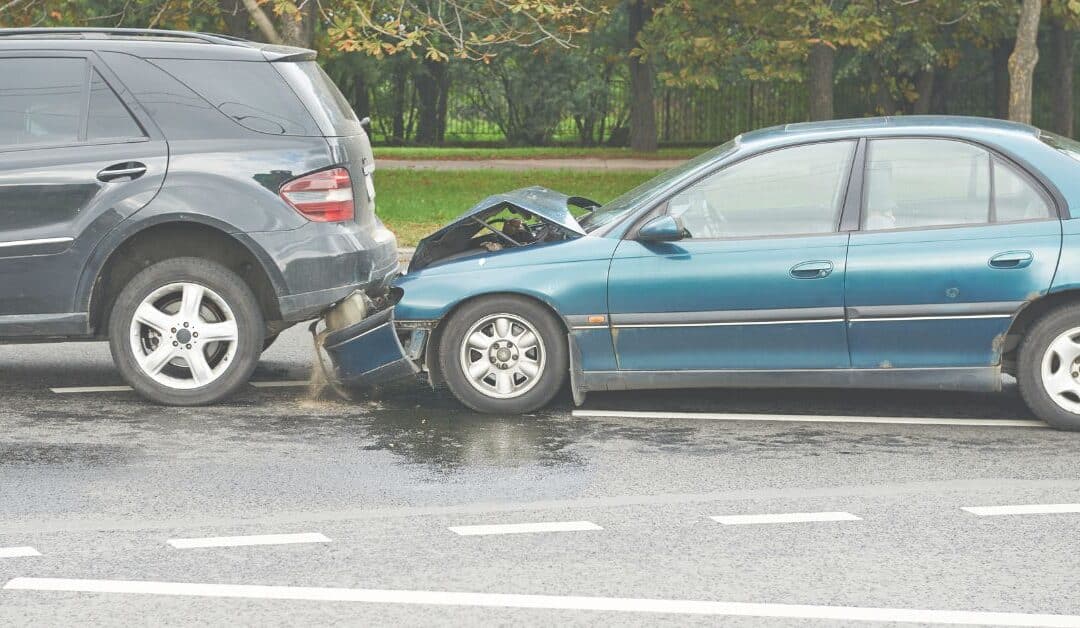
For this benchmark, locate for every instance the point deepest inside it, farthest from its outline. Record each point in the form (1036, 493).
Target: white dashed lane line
(525, 528)
(560, 602)
(1023, 509)
(18, 552)
(258, 539)
(294, 383)
(805, 418)
(77, 390)
(790, 517)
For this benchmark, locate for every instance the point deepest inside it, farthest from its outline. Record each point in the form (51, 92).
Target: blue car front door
(954, 241)
(758, 284)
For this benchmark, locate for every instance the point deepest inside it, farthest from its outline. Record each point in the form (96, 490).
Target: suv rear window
(251, 93)
(325, 100)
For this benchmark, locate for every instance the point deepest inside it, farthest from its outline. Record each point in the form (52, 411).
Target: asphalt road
(102, 497)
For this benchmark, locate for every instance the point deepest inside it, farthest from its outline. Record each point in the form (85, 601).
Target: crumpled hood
(548, 205)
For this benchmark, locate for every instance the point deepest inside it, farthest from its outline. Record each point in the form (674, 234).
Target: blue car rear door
(758, 282)
(954, 239)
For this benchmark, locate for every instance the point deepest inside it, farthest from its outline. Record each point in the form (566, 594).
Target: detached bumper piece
(371, 352)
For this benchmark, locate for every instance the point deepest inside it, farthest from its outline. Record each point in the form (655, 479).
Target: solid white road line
(523, 528)
(282, 384)
(806, 418)
(89, 389)
(258, 539)
(789, 517)
(560, 602)
(18, 552)
(1024, 509)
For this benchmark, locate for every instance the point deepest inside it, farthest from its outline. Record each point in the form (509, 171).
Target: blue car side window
(913, 183)
(796, 190)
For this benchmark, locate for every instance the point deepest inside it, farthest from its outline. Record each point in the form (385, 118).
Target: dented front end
(374, 348)
(375, 351)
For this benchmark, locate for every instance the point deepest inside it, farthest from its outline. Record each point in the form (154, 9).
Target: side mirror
(662, 229)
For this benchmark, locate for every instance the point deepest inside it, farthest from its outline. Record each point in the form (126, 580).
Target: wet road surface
(401, 507)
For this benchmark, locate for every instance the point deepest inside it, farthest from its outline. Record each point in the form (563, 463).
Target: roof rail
(102, 33)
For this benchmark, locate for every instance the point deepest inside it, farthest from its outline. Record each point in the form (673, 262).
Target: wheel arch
(125, 252)
(431, 361)
(1029, 314)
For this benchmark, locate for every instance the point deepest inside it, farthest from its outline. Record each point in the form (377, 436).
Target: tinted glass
(924, 183)
(252, 94)
(1015, 196)
(633, 198)
(789, 191)
(108, 118)
(322, 97)
(40, 100)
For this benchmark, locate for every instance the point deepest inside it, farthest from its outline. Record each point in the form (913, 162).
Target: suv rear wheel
(186, 331)
(1049, 368)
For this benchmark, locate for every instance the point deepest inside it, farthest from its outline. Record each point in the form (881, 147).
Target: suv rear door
(75, 159)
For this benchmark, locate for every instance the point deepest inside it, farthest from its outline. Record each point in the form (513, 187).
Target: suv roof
(147, 42)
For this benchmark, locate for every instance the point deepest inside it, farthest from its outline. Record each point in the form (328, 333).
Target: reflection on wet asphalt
(98, 482)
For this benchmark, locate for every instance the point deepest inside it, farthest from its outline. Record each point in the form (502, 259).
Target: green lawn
(413, 203)
(536, 152)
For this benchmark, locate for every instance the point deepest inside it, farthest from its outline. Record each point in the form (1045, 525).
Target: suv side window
(41, 100)
(797, 190)
(251, 93)
(108, 118)
(914, 183)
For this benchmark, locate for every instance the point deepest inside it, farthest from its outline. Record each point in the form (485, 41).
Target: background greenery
(641, 72)
(413, 203)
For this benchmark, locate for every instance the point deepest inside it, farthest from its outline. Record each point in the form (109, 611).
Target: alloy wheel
(1061, 370)
(184, 335)
(503, 356)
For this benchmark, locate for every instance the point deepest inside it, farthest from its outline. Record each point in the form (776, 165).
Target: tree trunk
(398, 105)
(924, 86)
(822, 58)
(299, 30)
(642, 106)
(430, 80)
(999, 60)
(1023, 60)
(1061, 86)
(237, 19)
(883, 100)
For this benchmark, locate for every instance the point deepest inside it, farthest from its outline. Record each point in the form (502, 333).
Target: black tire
(230, 288)
(1029, 366)
(550, 379)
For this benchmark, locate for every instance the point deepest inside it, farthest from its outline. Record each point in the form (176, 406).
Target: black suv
(185, 196)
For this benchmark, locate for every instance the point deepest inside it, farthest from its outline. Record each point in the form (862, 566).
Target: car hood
(548, 205)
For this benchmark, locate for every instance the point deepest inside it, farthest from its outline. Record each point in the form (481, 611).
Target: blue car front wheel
(504, 354)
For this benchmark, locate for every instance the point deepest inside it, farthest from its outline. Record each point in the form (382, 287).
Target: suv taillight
(324, 196)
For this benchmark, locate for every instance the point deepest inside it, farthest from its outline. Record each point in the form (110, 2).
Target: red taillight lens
(323, 196)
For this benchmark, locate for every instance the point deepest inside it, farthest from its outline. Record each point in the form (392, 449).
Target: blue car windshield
(628, 201)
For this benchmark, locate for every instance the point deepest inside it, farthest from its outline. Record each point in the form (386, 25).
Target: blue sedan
(913, 252)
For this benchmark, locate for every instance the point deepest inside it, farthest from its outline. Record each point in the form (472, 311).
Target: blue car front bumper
(374, 351)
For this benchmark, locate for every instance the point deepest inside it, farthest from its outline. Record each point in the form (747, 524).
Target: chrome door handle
(812, 270)
(1012, 259)
(131, 170)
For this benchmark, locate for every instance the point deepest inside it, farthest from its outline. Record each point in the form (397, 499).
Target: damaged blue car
(915, 252)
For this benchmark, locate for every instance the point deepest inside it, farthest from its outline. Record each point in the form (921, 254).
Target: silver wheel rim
(184, 336)
(1061, 370)
(503, 356)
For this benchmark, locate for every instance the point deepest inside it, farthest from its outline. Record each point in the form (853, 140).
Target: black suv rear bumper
(322, 263)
